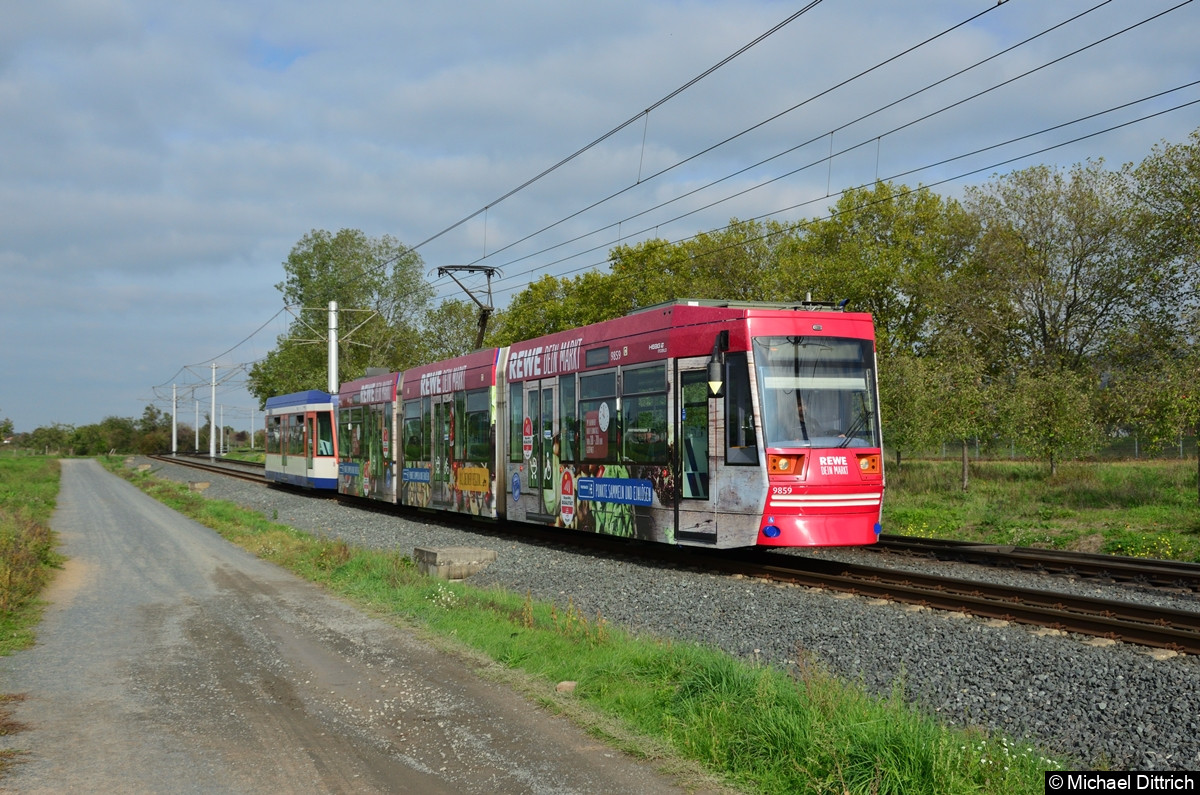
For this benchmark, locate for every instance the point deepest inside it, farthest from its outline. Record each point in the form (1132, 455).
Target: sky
(159, 161)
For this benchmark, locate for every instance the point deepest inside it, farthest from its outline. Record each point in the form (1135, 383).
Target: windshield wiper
(859, 423)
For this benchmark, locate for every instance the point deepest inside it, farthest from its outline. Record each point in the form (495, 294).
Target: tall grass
(1142, 508)
(757, 728)
(28, 488)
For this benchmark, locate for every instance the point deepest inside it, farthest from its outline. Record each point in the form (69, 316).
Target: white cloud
(160, 160)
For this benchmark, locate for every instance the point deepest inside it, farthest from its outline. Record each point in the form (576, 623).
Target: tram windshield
(817, 391)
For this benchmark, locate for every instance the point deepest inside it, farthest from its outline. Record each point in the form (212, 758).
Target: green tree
(112, 434)
(1181, 380)
(449, 330)
(153, 419)
(1153, 391)
(1061, 244)
(735, 263)
(552, 304)
(887, 250)
(50, 438)
(1166, 186)
(1053, 414)
(1055, 284)
(1155, 373)
(89, 440)
(648, 273)
(961, 407)
(153, 431)
(382, 298)
(906, 396)
(6, 427)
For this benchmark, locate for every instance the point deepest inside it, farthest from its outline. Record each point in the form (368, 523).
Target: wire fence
(1121, 448)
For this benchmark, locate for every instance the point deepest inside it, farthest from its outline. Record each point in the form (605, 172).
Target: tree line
(148, 434)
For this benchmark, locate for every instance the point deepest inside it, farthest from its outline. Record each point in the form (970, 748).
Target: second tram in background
(301, 443)
(700, 423)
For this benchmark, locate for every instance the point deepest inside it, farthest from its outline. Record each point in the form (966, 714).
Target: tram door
(284, 430)
(310, 439)
(541, 410)
(693, 510)
(295, 437)
(443, 446)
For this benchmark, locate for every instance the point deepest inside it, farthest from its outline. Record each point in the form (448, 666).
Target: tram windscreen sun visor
(817, 391)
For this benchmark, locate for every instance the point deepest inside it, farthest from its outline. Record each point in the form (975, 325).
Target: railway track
(1140, 571)
(1158, 627)
(242, 470)
(1177, 630)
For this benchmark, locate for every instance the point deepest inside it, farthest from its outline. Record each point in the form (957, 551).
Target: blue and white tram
(301, 444)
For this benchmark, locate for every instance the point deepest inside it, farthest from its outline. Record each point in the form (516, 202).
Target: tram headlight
(784, 464)
(870, 464)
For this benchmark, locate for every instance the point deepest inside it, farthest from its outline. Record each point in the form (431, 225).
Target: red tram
(696, 422)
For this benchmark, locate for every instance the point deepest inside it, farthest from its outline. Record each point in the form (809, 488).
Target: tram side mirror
(716, 365)
(716, 379)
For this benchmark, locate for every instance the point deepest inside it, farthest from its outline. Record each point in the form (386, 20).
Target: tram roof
(794, 306)
(305, 398)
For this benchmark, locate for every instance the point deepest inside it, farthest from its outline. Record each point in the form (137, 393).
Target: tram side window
(644, 415)
(568, 420)
(516, 413)
(325, 433)
(296, 434)
(426, 429)
(274, 435)
(413, 431)
(349, 421)
(694, 415)
(741, 447)
(457, 422)
(598, 415)
(479, 425)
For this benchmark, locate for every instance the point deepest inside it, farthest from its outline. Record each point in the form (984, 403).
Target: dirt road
(171, 661)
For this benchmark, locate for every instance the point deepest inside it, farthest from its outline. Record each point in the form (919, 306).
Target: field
(1136, 508)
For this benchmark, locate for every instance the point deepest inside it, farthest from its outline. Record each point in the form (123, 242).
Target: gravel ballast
(1111, 705)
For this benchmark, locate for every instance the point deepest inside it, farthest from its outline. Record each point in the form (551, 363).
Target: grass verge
(28, 489)
(755, 727)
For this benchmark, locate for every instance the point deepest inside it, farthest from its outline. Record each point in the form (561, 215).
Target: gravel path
(1103, 704)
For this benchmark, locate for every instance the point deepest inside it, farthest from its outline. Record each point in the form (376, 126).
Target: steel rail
(219, 469)
(1158, 573)
(1178, 630)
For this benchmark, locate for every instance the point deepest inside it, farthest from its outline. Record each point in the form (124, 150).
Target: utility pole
(333, 348)
(174, 420)
(212, 416)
